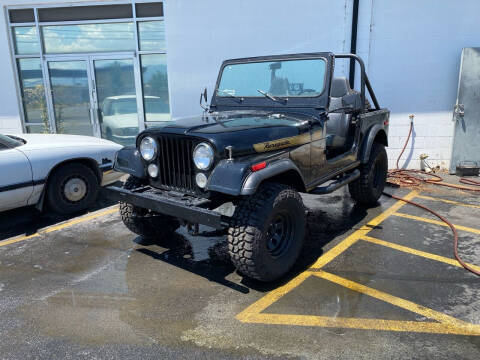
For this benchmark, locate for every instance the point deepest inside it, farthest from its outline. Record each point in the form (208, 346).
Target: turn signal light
(259, 166)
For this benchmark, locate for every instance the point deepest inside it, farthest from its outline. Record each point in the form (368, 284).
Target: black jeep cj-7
(276, 126)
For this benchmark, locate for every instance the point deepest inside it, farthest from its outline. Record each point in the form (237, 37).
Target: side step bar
(337, 184)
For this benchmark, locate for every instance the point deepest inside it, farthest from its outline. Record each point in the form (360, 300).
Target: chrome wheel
(75, 189)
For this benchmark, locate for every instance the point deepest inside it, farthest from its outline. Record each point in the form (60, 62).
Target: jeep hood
(239, 129)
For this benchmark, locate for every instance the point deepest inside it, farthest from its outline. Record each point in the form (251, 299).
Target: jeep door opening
(276, 126)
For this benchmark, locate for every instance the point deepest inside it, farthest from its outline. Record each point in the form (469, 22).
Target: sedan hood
(49, 141)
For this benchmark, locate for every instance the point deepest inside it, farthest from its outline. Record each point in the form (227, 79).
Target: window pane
(25, 40)
(149, 9)
(88, 38)
(117, 100)
(71, 98)
(152, 35)
(155, 87)
(37, 129)
(33, 93)
(21, 15)
(74, 13)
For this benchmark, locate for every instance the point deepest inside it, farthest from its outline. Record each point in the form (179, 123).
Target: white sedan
(61, 171)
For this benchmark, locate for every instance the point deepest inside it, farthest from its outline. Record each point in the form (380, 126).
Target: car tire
(267, 232)
(368, 188)
(144, 222)
(72, 188)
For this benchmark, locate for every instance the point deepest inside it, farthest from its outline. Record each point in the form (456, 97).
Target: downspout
(353, 42)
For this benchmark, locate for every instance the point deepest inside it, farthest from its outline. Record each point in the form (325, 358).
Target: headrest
(340, 87)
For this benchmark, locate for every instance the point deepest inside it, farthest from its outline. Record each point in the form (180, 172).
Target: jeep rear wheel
(266, 236)
(368, 188)
(144, 222)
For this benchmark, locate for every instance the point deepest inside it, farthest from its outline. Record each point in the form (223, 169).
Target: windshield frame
(217, 90)
(321, 101)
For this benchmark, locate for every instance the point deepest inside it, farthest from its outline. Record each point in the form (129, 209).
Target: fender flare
(254, 179)
(368, 142)
(128, 160)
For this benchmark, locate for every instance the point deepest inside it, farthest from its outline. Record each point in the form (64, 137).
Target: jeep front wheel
(144, 222)
(267, 231)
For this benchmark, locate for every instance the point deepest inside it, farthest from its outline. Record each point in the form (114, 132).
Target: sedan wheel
(72, 188)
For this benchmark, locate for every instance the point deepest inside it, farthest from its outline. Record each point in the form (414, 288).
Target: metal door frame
(92, 88)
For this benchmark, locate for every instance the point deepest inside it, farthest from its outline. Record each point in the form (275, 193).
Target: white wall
(201, 34)
(413, 64)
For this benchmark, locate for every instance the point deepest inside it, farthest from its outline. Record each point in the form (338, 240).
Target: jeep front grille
(175, 163)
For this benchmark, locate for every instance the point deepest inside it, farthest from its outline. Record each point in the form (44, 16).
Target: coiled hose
(408, 178)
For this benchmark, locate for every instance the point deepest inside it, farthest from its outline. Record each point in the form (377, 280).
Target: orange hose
(407, 178)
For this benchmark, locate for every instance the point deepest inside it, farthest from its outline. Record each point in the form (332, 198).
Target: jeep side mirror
(203, 99)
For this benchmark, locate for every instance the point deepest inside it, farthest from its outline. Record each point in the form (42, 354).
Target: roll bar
(363, 78)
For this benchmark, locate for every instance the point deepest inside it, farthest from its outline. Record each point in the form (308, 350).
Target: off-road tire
(248, 235)
(143, 222)
(56, 199)
(368, 188)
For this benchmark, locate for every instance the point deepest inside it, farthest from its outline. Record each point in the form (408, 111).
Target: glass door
(116, 99)
(70, 96)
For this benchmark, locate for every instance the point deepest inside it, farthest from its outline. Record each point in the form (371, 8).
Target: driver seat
(338, 123)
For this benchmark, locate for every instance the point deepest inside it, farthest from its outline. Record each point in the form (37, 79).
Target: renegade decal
(282, 143)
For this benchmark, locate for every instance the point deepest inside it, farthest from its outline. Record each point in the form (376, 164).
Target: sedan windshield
(271, 79)
(11, 141)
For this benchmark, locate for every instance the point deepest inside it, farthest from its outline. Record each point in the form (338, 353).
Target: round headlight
(148, 148)
(203, 156)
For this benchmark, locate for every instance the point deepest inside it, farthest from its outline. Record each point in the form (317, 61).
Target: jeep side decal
(282, 143)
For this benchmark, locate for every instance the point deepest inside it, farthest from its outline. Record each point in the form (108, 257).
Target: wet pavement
(376, 283)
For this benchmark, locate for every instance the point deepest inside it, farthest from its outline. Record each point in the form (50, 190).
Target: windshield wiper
(227, 94)
(271, 97)
(264, 93)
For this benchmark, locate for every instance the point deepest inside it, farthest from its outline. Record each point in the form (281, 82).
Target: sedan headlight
(203, 156)
(148, 148)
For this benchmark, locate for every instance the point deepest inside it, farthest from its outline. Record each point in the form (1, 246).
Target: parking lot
(380, 283)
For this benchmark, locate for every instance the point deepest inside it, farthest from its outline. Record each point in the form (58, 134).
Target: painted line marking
(365, 324)
(413, 251)
(390, 299)
(436, 222)
(257, 307)
(448, 201)
(446, 324)
(353, 238)
(59, 226)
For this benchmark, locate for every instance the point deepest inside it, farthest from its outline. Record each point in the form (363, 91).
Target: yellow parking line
(380, 295)
(350, 240)
(412, 251)
(257, 307)
(367, 324)
(253, 310)
(448, 201)
(59, 227)
(436, 222)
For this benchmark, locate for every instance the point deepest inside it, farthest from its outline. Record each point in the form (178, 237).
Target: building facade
(112, 68)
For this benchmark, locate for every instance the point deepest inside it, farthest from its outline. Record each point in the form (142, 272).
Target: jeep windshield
(272, 79)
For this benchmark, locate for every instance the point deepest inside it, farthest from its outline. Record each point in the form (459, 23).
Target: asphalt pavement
(371, 283)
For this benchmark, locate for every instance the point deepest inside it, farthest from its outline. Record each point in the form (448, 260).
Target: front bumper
(181, 207)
